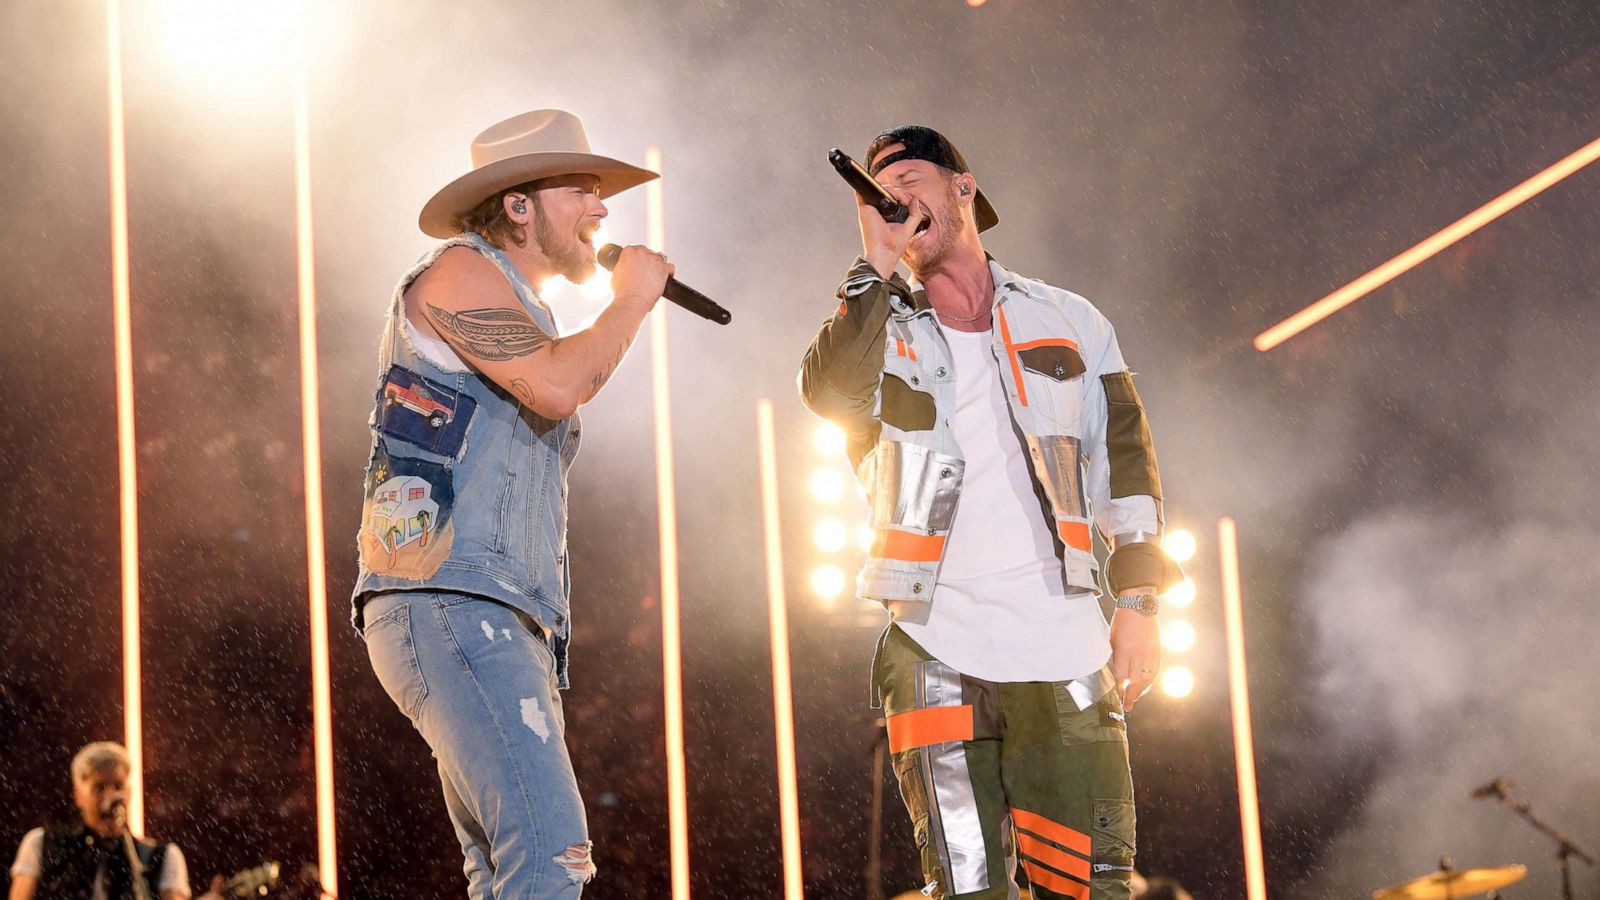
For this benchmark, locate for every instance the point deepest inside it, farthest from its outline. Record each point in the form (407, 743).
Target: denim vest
(466, 490)
(1051, 346)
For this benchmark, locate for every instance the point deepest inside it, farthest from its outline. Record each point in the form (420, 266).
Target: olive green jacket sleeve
(840, 372)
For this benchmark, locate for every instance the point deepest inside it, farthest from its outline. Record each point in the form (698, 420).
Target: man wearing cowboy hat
(463, 596)
(985, 412)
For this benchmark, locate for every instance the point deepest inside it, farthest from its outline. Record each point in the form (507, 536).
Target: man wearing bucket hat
(463, 595)
(994, 423)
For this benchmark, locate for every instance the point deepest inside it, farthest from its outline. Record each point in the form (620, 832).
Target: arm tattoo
(604, 375)
(523, 392)
(492, 333)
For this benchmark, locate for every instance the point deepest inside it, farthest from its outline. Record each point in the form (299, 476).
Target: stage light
(827, 581)
(1177, 636)
(227, 37)
(865, 536)
(1181, 594)
(830, 535)
(1177, 682)
(828, 439)
(827, 485)
(976, 3)
(1421, 252)
(1180, 544)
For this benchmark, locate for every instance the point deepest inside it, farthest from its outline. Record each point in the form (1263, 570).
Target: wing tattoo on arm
(492, 333)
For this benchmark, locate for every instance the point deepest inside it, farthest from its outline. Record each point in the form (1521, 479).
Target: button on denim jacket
(466, 489)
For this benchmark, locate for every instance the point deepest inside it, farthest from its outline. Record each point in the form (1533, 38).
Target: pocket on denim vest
(407, 525)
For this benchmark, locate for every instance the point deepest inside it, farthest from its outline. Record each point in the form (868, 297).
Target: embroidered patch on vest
(406, 522)
(423, 412)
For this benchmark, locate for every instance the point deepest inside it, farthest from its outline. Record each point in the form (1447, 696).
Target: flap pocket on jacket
(1053, 361)
(905, 407)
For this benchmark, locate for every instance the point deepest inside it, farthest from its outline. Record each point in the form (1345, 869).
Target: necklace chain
(981, 314)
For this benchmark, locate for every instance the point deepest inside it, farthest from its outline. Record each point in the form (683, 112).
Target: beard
(572, 258)
(948, 220)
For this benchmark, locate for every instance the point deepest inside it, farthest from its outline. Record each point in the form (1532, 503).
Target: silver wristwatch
(1144, 604)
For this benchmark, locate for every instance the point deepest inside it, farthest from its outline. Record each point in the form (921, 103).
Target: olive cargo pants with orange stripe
(992, 772)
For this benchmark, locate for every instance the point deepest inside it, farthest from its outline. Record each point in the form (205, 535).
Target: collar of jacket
(1003, 278)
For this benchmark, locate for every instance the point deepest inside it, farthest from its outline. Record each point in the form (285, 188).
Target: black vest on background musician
(73, 855)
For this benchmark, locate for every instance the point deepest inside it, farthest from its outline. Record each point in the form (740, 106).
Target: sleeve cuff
(1140, 563)
(862, 277)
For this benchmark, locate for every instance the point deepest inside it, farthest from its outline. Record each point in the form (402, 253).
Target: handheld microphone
(676, 291)
(1495, 788)
(868, 187)
(119, 812)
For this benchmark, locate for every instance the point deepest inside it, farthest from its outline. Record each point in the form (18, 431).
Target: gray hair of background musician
(98, 756)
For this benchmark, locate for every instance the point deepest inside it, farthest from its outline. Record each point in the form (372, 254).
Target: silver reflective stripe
(914, 487)
(1056, 464)
(953, 821)
(1087, 690)
(1135, 537)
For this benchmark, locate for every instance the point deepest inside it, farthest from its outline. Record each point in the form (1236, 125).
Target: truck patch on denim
(423, 412)
(406, 526)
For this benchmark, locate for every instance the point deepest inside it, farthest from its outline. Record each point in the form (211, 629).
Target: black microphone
(868, 187)
(1495, 788)
(676, 291)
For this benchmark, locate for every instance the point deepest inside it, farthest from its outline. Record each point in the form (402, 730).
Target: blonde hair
(96, 756)
(489, 217)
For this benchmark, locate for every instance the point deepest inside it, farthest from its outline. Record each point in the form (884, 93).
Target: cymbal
(1456, 884)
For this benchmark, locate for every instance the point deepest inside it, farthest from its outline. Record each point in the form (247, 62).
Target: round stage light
(828, 439)
(827, 581)
(827, 485)
(1180, 544)
(864, 536)
(1177, 636)
(830, 535)
(1181, 594)
(1177, 681)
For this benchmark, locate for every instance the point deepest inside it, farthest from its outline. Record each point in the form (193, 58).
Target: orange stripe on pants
(1073, 840)
(1045, 878)
(930, 725)
(1051, 855)
(908, 546)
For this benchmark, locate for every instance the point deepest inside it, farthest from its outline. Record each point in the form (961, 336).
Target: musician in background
(88, 859)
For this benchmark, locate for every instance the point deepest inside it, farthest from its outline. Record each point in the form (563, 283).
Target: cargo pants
(993, 772)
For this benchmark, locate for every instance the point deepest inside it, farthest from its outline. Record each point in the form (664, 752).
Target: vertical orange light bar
(311, 424)
(667, 504)
(782, 690)
(127, 468)
(1239, 693)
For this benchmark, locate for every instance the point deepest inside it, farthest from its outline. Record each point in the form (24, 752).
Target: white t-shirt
(1000, 610)
(174, 870)
(434, 350)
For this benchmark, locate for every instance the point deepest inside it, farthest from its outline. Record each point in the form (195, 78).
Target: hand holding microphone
(621, 262)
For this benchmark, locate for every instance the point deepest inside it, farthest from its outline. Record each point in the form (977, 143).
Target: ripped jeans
(477, 679)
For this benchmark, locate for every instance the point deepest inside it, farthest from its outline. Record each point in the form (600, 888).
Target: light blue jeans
(477, 679)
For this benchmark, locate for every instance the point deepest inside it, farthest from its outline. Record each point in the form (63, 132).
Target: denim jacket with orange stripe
(881, 369)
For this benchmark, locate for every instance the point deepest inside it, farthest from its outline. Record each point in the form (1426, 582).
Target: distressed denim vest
(466, 490)
(1042, 336)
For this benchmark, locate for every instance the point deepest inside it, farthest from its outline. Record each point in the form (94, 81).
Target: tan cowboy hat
(539, 144)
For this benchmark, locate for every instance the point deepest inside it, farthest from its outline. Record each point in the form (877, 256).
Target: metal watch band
(1144, 604)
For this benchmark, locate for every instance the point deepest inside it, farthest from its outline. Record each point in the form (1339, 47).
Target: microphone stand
(141, 889)
(880, 743)
(1565, 848)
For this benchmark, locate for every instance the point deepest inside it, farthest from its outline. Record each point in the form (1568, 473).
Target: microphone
(868, 187)
(676, 291)
(119, 813)
(1495, 788)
